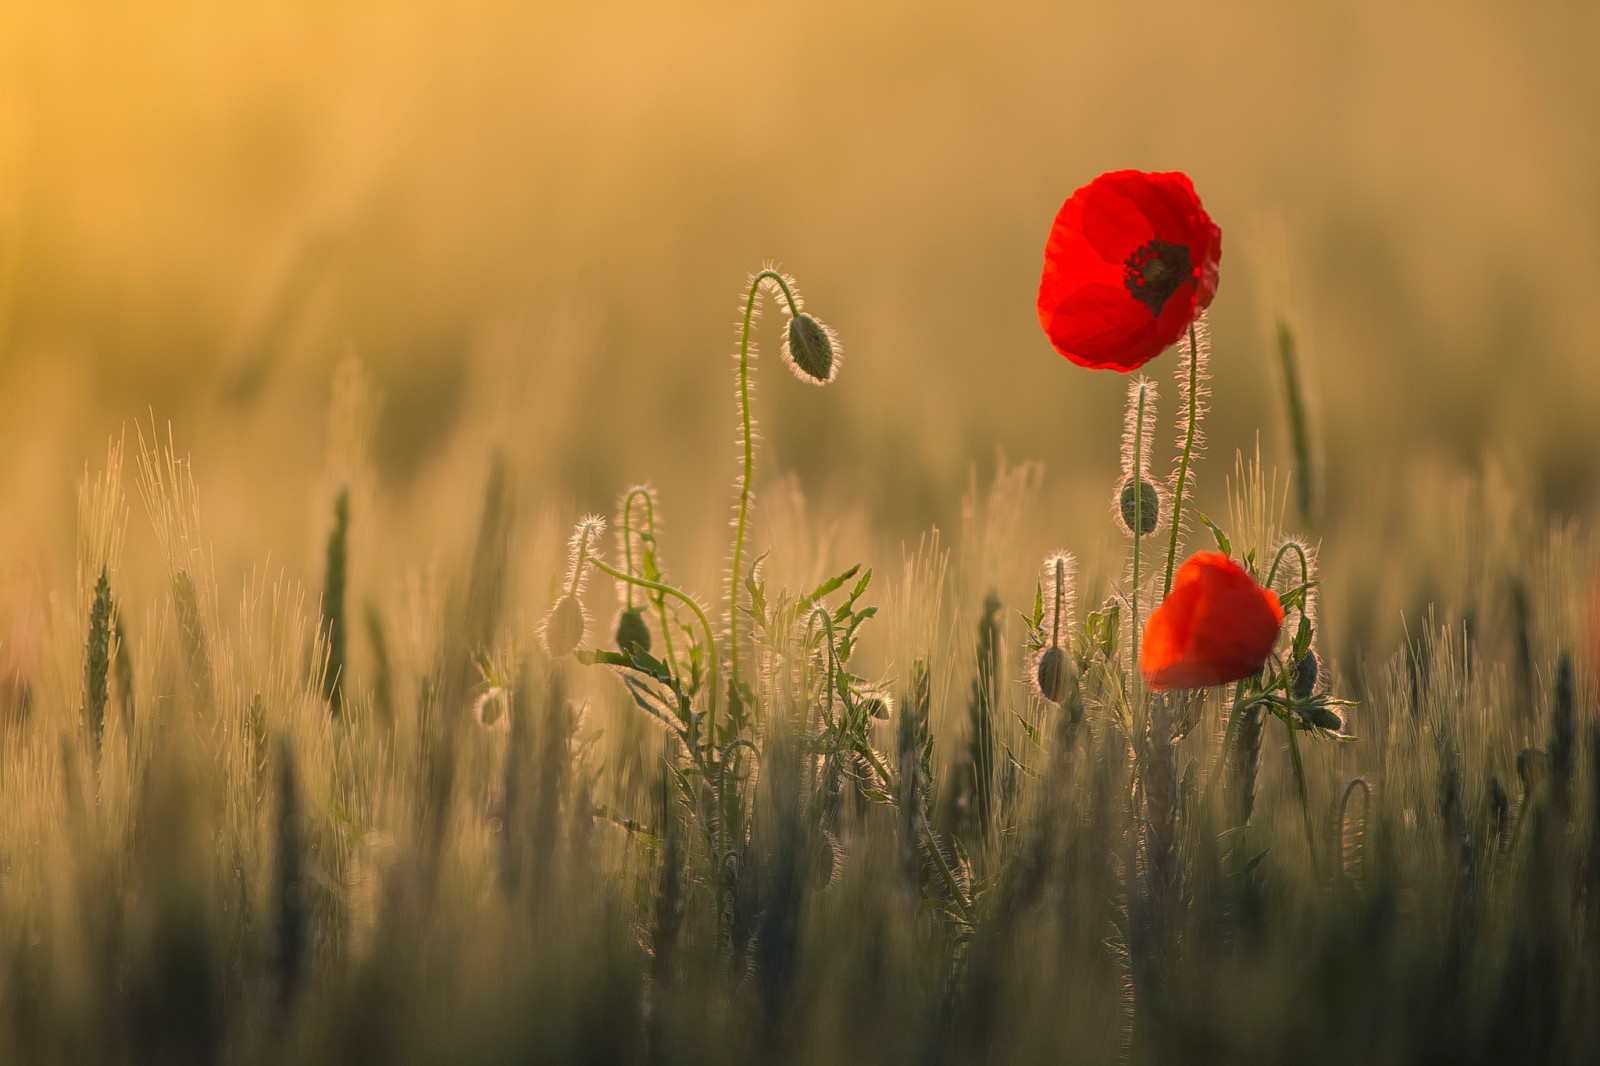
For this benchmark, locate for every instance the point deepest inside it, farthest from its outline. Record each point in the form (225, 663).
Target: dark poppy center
(1154, 272)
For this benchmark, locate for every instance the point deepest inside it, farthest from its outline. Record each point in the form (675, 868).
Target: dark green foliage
(289, 890)
(1299, 426)
(335, 573)
(192, 636)
(122, 669)
(982, 704)
(382, 671)
(97, 662)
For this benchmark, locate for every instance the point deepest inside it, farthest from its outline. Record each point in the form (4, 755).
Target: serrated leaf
(831, 585)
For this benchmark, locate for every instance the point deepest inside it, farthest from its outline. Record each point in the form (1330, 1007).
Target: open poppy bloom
(1131, 260)
(1217, 626)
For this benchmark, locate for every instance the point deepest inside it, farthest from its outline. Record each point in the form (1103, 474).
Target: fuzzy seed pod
(1149, 507)
(810, 350)
(1305, 676)
(564, 627)
(633, 632)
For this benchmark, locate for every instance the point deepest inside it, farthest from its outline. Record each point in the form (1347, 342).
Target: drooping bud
(1145, 511)
(811, 350)
(1305, 676)
(633, 632)
(566, 624)
(564, 627)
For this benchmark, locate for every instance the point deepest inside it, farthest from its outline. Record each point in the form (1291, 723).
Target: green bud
(633, 632)
(1305, 676)
(809, 351)
(1326, 717)
(1052, 675)
(1149, 507)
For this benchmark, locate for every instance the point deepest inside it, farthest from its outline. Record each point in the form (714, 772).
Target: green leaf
(833, 584)
(1222, 538)
(1302, 639)
(1032, 731)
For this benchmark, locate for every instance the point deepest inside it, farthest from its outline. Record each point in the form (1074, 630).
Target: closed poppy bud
(564, 626)
(1217, 626)
(1325, 717)
(811, 350)
(1148, 515)
(1052, 675)
(633, 632)
(1305, 676)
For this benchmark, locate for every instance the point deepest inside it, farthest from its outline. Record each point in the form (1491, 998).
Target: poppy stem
(1183, 464)
(647, 546)
(742, 522)
(1138, 535)
(1300, 787)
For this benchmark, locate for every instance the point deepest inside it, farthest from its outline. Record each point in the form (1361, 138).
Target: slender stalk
(749, 461)
(1300, 786)
(1299, 424)
(819, 611)
(1138, 535)
(660, 601)
(1183, 464)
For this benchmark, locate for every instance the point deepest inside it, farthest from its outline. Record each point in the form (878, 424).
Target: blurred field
(530, 223)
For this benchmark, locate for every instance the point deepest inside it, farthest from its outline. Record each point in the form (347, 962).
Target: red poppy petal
(1216, 626)
(1114, 221)
(1099, 327)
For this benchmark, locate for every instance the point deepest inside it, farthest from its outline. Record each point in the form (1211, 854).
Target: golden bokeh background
(531, 223)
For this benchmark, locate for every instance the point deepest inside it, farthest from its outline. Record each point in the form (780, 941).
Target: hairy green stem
(1138, 535)
(1183, 464)
(660, 601)
(749, 461)
(820, 611)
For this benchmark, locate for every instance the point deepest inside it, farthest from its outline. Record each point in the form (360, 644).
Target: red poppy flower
(1131, 260)
(1217, 626)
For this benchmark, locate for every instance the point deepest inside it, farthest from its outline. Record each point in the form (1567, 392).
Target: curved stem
(715, 673)
(1305, 567)
(1183, 464)
(658, 600)
(583, 557)
(749, 460)
(833, 661)
(627, 533)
